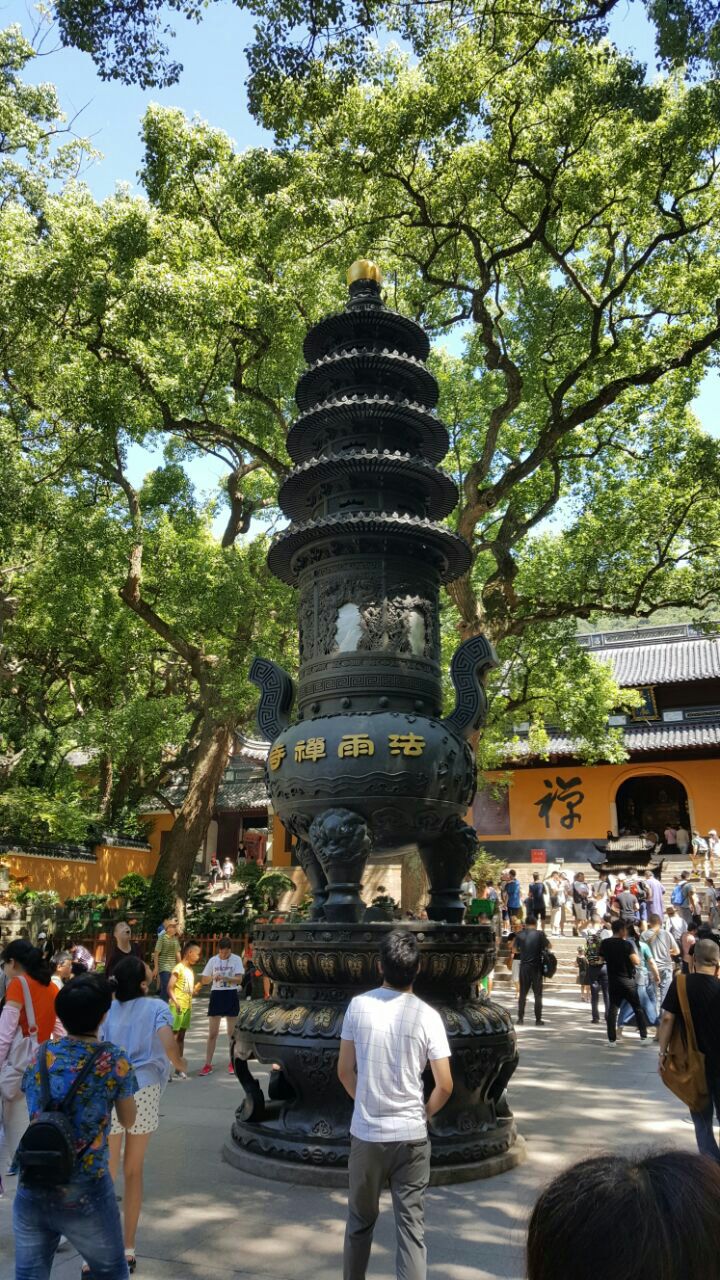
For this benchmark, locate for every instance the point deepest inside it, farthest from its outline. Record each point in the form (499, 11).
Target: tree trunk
(120, 792)
(178, 857)
(105, 786)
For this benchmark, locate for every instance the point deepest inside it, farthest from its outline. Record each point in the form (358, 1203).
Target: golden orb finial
(363, 269)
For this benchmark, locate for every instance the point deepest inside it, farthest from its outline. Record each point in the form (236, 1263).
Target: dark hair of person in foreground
(400, 958)
(31, 958)
(128, 978)
(642, 1217)
(83, 1003)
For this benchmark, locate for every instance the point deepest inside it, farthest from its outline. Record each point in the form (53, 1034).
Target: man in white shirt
(388, 1038)
(225, 972)
(468, 890)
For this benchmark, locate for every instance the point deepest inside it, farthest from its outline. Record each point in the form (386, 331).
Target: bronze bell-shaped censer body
(370, 764)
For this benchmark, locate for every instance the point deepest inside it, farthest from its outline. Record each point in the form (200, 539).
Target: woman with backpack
(28, 1019)
(143, 1026)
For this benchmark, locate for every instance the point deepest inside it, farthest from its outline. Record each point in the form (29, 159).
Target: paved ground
(205, 1220)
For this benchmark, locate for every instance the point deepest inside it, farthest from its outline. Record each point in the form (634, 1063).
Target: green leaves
(551, 217)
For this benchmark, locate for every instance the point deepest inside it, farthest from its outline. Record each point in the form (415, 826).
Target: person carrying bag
(48, 1154)
(682, 1065)
(23, 1048)
(28, 1018)
(689, 1042)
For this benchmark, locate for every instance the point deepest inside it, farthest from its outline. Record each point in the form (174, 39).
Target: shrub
(134, 889)
(383, 903)
(270, 886)
(247, 872)
(486, 868)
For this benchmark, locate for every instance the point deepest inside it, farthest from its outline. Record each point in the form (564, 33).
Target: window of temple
(349, 628)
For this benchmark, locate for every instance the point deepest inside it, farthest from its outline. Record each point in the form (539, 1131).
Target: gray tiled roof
(656, 655)
(242, 792)
(242, 785)
(657, 737)
(664, 663)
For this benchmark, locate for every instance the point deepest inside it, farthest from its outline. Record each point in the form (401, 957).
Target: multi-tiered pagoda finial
(370, 764)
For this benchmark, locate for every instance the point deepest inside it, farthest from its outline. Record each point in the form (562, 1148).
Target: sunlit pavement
(572, 1095)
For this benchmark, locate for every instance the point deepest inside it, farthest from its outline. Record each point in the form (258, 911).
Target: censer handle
(468, 672)
(277, 694)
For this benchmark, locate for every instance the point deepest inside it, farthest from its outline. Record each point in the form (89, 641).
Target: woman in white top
(61, 965)
(556, 898)
(143, 1026)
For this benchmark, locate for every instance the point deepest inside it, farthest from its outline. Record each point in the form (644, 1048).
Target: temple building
(559, 808)
(241, 825)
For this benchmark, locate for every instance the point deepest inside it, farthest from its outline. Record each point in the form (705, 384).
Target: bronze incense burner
(369, 764)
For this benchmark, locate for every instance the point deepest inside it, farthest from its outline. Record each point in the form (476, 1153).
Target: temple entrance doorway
(651, 802)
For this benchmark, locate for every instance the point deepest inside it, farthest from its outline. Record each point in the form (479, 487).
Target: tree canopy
(551, 218)
(131, 40)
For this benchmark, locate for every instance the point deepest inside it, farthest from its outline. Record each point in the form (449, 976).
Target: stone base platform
(313, 1175)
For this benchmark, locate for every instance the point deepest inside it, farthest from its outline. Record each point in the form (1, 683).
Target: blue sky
(212, 87)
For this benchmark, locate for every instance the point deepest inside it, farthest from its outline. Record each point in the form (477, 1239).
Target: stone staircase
(566, 947)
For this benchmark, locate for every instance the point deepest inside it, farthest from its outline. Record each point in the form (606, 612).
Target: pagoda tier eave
(347, 370)
(368, 465)
(452, 551)
(367, 412)
(366, 324)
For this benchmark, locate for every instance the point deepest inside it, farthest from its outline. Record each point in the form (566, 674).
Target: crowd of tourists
(569, 906)
(632, 941)
(85, 1056)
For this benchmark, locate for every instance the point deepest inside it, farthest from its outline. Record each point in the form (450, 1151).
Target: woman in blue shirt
(142, 1025)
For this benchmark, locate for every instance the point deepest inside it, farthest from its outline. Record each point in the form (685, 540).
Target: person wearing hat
(45, 945)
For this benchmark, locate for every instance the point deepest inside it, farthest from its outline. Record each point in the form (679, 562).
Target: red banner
(538, 855)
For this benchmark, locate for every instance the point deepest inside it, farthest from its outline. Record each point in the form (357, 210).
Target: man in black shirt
(627, 902)
(528, 947)
(703, 995)
(621, 960)
(536, 898)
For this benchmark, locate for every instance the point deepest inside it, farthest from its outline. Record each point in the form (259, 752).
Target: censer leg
(342, 842)
(316, 878)
(447, 860)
